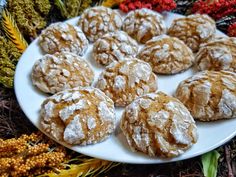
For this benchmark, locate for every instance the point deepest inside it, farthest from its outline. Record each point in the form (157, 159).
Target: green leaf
(210, 163)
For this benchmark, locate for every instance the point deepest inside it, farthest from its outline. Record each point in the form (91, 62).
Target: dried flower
(215, 8)
(232, 30)
(9, 56)
(83, 166)
(43, 6)
(157, 5)
(29, 15)
(12, 31)
(29, 155)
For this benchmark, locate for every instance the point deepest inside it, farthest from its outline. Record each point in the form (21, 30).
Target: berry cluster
(216, 8)
(156, 5)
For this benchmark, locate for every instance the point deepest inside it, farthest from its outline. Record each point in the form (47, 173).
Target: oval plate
(115, 148)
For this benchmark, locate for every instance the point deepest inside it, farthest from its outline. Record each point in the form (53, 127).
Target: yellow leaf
(12, 31)
(86, 167)
(111, 3)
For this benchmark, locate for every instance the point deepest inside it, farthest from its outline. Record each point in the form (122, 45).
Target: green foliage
(9, 56)
(43, 6)
(29, 15)
(72, 8)
(210, 163)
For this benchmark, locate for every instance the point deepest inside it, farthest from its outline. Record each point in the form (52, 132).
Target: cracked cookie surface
(78, 116)
(158, 125)
(143, 24)
(193, 30)
(63, 37)
(126, 80)
(97, 21)
(167, 55)
(217, 54)
(114, 46)
(54, 73)
(209, 95)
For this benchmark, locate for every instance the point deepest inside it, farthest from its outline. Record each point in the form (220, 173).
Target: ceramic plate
(115, 148)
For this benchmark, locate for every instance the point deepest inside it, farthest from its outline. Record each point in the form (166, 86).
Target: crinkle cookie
(54, 73)
(78, 116)
(143, 24)
(97, 21)
(114, 46)
(209, 95)
(126, 80)
(158, 125)
(217, 54)
(193, 30)
(167, 55)
(59, 37)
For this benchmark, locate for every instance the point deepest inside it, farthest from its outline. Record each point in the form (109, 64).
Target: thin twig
(228, 161)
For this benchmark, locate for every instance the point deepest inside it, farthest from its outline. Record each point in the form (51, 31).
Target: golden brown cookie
(167, 55)
(193, 30)
(209, 95)
(143, 24)
(79, 116)
(126, 80)
(54, 73)
(114, 46)
(63, 37)
(158, 125)
(97, 21)
(217, 54)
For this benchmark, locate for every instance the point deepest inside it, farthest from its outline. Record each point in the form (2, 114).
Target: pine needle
(10, 27)
(86, 167)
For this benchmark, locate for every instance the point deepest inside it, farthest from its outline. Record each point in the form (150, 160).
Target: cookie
(143, 24)
(126, 80)
(209, 95)
(114, 46)
(97, 21)
(217, 54)
(59, 37)
(193, 30)
(158, 125)
(78, 116)
(167, 55)
(54, 73)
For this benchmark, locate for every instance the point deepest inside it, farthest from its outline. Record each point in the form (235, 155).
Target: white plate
(115, 148)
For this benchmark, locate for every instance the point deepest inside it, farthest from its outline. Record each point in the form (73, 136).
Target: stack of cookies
(132, 50)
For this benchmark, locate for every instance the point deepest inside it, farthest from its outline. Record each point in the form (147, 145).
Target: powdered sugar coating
(97, 21)
(87, 118)
(217, 54)
(114, 46)
(63, 37)
(124, 81)
(163, 127)
(193, 30)
(209, 95)
(54, 73)
(167, 55)
(143, 24)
